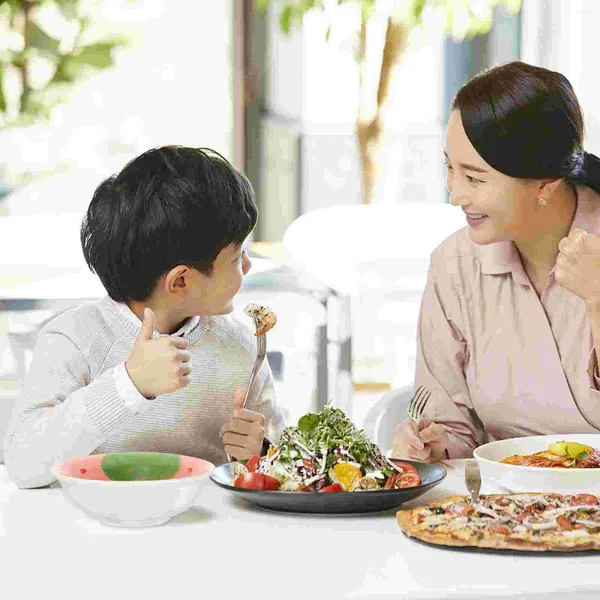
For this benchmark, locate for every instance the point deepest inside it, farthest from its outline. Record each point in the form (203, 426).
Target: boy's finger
(184, 356)
(238, 452)
(238, 398)
(249, 415)
(148, 324)
(178, 342)
(235, 439)
(242, 427)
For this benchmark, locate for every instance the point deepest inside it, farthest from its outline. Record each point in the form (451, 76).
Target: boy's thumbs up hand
(148, 324)
(158, 365)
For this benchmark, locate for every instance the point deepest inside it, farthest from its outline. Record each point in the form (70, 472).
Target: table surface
(223, 547)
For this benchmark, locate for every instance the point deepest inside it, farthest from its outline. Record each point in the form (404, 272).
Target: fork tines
(417, 403)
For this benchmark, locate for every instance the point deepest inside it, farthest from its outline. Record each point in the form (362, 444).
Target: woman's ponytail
(590, 176)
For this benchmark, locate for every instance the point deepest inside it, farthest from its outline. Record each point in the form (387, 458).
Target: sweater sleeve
(61, 413)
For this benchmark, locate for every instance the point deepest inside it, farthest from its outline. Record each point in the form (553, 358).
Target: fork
(260, 357)
(417, 404)
(473, 480)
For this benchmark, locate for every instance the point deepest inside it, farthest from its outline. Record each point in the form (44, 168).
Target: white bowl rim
(55, 471)
(527, 467)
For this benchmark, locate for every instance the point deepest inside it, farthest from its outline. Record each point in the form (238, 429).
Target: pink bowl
(133, 489)
(91, 467)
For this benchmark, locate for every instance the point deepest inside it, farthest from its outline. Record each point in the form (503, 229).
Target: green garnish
(327, 437)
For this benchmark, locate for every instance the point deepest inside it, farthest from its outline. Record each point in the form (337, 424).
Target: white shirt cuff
(132, 398)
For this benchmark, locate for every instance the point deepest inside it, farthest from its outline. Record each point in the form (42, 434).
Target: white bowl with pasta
(518, 478)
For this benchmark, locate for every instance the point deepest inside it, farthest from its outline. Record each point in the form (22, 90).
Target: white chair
(382, 418)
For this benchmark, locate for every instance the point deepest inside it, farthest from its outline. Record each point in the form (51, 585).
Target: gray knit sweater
(73, 404)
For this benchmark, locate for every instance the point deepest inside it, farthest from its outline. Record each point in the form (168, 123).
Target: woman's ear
(176, 280)
(547, 187)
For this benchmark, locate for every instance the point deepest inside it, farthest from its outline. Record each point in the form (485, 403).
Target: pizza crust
(547, 542)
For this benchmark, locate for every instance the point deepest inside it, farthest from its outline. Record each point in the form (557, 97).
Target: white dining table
(226, 548)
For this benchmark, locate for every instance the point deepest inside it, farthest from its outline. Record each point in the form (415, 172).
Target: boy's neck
(166, 323)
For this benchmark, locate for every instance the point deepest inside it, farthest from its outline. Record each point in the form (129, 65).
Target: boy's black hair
(170, 206)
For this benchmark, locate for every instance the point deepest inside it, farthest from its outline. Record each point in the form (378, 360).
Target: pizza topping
(587, 499)
(541, 525)
(536, 519)
(503, 502)
(553, 512)
(576, 533)
(564, 522)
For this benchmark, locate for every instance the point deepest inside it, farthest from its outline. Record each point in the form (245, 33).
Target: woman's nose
(457, 197)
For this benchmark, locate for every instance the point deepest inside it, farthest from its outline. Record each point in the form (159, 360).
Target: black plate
(332, 503)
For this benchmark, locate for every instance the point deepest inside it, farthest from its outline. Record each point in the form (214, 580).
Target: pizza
(565, 455)
(265, 317)
(531, 521)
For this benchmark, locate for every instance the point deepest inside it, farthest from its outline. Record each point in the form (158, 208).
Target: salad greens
(328, 437)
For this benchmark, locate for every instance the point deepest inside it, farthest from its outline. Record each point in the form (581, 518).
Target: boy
(154, 365)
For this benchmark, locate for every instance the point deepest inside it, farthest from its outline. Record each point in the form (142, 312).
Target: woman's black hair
(170, 206)
(526, 122)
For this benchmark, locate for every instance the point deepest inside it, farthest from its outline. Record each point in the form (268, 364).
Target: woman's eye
(448, 166)
(473, 180)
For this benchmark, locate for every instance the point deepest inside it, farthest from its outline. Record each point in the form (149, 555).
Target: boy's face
(213, 294)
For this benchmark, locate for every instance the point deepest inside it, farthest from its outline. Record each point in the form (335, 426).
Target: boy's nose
(247, 264)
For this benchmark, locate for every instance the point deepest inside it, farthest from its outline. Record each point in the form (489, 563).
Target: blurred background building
(282, 107)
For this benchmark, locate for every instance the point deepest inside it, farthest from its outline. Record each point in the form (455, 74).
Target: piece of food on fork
(266, 318)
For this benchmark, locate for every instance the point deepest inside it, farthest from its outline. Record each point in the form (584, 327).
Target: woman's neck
(539, 254)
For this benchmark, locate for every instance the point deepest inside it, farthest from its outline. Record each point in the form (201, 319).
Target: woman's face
(498, 207)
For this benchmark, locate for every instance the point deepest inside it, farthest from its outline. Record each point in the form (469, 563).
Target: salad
(325, 452)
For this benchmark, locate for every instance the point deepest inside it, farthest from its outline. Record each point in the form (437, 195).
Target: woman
(510, 315)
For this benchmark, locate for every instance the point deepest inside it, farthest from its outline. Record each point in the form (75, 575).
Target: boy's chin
(228, 309)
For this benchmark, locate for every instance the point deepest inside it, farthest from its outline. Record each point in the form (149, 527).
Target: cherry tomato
(256, 481)
(406, 467)
(252, 463)
(402, 480)
(270, 482)
(334, 487)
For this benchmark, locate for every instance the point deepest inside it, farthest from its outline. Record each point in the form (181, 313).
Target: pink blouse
(499, 361)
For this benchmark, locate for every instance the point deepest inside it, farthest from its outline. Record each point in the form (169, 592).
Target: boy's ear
(176, 280)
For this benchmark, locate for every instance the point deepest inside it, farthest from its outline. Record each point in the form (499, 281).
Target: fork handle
(256, 368)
